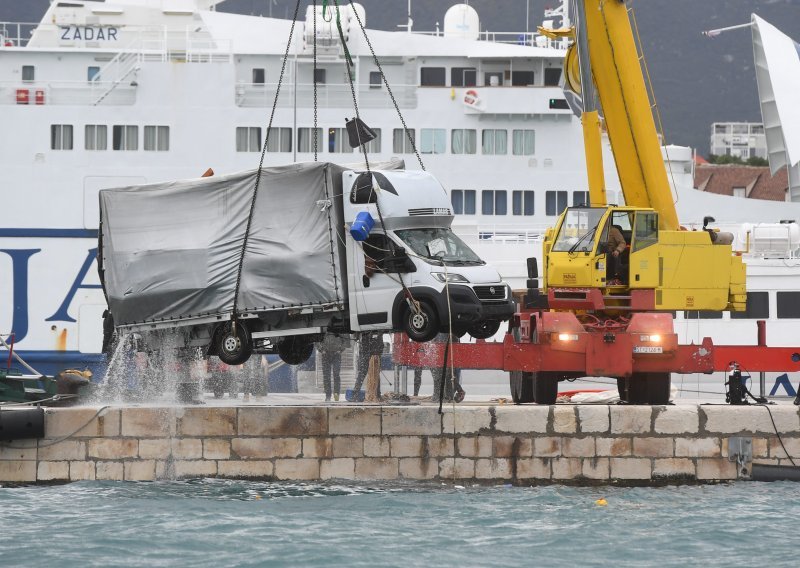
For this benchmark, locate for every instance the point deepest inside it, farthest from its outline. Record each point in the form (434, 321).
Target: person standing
(369, 343)
(330, 350)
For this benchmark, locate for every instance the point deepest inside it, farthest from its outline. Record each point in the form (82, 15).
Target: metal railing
(328, 95)
(67, 93)
(16, 34)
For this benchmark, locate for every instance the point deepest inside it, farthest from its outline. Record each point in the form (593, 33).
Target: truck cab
(412, 273)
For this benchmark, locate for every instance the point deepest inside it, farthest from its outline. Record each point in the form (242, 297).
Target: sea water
(237, 523)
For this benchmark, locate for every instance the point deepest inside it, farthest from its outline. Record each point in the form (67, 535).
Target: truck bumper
(466, 309)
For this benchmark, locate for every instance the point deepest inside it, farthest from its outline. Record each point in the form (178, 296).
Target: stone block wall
(521, 444)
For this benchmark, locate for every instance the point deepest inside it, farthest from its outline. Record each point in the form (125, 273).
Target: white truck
(173, 255)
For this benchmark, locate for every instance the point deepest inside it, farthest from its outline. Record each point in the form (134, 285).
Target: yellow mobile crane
(663, 266)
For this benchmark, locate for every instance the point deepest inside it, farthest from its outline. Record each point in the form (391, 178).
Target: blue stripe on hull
(51, 362)
(50, 233)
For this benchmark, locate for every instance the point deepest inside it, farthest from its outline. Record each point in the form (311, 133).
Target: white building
(740, 139)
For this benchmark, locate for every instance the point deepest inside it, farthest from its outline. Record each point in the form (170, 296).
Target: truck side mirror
(399, 262)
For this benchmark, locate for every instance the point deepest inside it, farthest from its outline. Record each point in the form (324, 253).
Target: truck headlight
(449, 277)
(654, 338)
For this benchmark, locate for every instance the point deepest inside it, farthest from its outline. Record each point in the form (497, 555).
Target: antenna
(410, 23)
(716, 32)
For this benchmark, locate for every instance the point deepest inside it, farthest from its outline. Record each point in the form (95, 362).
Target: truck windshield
(578, 230)
(440, 245)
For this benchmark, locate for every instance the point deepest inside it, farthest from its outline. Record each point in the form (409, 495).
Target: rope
(314, 81)
(258, 172)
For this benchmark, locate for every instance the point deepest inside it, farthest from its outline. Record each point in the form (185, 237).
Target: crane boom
(626, 107)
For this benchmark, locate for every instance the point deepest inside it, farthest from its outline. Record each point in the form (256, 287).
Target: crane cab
(612, 257)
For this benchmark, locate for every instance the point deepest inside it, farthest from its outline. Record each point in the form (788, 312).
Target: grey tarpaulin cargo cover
(170, 251)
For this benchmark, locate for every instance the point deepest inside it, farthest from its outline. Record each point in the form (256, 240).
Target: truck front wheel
(234, 348)
(423, 325)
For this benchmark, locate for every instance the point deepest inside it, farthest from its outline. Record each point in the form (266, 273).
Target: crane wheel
(521, 384)
(545, 387)
(645, 388)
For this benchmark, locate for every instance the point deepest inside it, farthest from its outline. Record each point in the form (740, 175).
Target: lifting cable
(235, 314)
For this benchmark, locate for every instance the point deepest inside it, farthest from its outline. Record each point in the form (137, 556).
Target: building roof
(757, 181)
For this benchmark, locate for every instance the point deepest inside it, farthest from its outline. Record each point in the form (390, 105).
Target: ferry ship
(108, 94)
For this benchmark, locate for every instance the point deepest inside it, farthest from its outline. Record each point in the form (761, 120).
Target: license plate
(647, 349)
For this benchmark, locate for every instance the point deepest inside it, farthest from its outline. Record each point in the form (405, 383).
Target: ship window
(259, 76)
(757, 307)
(702, 314)
(248, 139)
(319, 76)
(521, 78)
(555, 202)
(580, 198)
(91, 72)
(433, 140)
(375, 80)
(552, 76)
(463, 201)
(463, 141)
(61, 136)
(400, 141)
(96, 137)
(374, 145)
(494, 141)
(463, 77)
(280, 140)
(305, 139)
(432, 76)
(493, 79)
(125, 137)
(156, 138)
(494, 202)
(523, 143)
(28, 73)
(788, 305)
(522, 202)
(338, 141)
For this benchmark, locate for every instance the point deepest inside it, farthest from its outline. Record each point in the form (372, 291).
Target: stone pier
(500, 443)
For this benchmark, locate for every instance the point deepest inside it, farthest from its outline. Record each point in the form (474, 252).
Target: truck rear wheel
(521, 384)
(421, 326)
(545, 387)
(485, 329)
(234, 348)
(295, 349)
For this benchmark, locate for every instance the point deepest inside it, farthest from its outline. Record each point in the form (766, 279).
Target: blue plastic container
(351, 396)
(362, 226)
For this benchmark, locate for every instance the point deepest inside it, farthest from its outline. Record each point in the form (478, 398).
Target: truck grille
(429, 211)
(488, 293)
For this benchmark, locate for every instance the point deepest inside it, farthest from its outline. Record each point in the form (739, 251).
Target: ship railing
(531, 39)
(67, 92)
(16, 34)
(501, 234)
(329, 95)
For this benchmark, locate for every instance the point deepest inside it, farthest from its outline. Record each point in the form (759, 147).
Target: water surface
(238, 523)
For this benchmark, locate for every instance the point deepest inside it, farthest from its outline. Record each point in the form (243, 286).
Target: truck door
(376, 285)
(644, 262)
